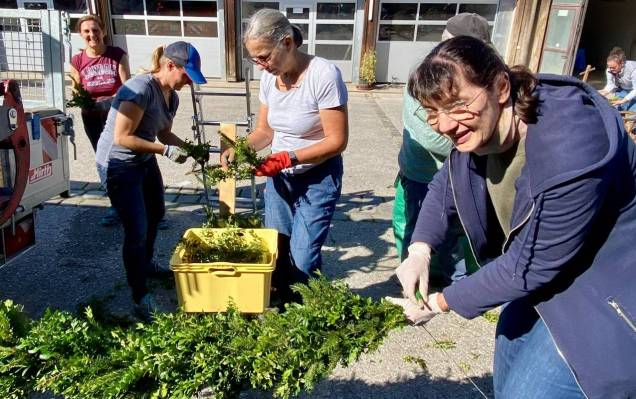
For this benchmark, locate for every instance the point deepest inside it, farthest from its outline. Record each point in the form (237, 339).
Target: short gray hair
(268, 24)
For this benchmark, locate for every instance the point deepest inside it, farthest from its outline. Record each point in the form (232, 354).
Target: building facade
(543, 34)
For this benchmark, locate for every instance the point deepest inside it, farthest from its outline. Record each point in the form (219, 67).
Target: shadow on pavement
(423, 386)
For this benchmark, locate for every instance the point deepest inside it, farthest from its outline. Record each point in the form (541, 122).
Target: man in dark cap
(422, 153)
(467, 24)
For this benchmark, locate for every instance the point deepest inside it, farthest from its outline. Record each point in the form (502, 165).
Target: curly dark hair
(436, 78)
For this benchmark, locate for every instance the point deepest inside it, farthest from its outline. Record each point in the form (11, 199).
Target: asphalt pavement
(77, 261)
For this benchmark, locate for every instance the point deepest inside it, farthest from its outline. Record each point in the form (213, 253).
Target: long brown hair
(436, 78)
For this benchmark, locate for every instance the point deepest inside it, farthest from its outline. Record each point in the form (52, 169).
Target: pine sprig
(242, 167)
(199, 152)
(80, 97)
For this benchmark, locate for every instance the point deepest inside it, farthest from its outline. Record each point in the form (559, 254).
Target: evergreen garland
(179, 354)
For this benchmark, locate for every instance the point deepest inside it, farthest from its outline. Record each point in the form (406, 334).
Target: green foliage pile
(179, 354)
(81, 97)
(241, 167)
(229, 245)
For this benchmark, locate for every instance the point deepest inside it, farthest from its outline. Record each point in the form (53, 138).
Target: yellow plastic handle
(222, 272)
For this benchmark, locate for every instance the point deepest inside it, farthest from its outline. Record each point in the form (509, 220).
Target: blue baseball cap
(185, 55)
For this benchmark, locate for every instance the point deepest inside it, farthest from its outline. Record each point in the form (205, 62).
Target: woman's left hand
(274, 163)
(619, 102)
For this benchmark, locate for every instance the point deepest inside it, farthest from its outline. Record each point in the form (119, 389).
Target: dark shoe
(146, 308)
(111, 218)
(278, 298)
(163, 224)
(155, 270)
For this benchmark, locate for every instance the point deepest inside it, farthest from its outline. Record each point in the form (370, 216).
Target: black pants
(136, 192)
(95, 119)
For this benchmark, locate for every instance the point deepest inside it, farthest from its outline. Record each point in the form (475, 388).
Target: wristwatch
(293, 158)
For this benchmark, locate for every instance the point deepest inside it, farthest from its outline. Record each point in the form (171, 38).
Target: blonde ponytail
(156, 60)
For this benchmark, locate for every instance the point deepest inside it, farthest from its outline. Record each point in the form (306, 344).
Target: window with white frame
(249, 8)
(75, 8)
(425, 21)
(181, 18)
(335, 30)
(327, 26)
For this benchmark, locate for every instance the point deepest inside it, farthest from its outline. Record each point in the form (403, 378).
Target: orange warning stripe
(48, 137)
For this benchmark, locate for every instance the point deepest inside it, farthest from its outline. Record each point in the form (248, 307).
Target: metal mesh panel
(22, 56)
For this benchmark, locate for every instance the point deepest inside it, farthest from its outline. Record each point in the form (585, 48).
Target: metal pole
(197, 135)
(248, 105)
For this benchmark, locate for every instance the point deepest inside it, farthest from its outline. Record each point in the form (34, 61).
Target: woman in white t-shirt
(303, 116)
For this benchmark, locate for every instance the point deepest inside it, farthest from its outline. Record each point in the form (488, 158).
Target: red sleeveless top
(100, 75)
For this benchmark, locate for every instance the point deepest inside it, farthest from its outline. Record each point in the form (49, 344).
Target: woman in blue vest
(543, 179)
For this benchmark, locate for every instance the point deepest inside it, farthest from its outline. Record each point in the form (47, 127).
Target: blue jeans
(629, 106)
(136, 192)
(450, 255)
(527, 364)
(301, 207)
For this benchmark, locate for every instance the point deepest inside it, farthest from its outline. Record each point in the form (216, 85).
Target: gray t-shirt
(295, 114)
(144, 91)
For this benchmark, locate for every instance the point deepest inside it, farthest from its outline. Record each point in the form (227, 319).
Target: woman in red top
(101, 69)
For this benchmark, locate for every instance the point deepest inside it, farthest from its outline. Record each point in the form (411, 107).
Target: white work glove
(415, 313)
(175, 153)
(414, 270)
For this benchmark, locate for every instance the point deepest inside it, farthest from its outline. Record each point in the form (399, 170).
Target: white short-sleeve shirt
(294, 114)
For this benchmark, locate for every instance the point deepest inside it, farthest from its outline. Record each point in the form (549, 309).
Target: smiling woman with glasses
(459, 111)
(303, 117)
(543, 181)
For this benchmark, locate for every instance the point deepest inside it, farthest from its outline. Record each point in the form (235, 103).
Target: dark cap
(184, 54)
(467, 24)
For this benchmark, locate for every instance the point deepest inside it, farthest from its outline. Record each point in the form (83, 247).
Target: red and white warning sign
(48, 136)
(41, 172)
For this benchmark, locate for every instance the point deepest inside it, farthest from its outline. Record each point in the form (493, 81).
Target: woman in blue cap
(142, 112)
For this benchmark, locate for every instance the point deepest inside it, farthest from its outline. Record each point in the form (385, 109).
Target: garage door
(140, 26)
(328, 28)
(408, 31)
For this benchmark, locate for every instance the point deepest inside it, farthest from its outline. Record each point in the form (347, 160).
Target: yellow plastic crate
(209, 287)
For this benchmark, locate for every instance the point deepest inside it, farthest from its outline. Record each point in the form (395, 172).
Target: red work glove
(274, 164)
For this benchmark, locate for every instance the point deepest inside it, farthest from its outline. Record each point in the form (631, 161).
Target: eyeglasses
(263, 60)
(458, 112)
